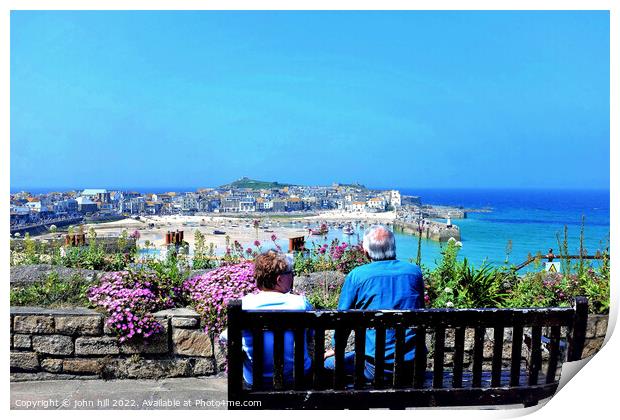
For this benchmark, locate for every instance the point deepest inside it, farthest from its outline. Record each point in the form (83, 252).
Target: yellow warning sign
(552, 267)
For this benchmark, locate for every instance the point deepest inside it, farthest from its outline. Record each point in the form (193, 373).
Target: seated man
(274, 277)
(384, 283)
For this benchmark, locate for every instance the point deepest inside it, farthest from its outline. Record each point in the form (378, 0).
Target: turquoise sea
(531, 219)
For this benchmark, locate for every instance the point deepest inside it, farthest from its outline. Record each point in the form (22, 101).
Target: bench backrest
(559, 332)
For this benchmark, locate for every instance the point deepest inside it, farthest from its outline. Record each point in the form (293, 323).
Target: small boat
(347, 230)
(219, 232)
(321, 231)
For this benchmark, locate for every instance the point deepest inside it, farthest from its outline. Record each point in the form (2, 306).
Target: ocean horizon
(530, 219)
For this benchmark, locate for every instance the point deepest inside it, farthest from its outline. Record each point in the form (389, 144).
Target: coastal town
(35, 213)
(242, 196)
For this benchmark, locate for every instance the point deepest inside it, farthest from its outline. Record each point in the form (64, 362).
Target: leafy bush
(53, 292)
(203, 255)
(235, 253)
(457, 284)
(543, 289)
(209, 293)
(172, 270)
(92, 257)
(325, 296)
(335, 256)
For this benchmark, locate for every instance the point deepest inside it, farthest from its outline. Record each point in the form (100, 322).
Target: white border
(591, 393)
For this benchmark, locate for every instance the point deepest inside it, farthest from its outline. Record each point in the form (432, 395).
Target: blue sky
(388, 99)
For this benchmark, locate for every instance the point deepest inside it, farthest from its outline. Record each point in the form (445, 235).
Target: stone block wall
(75, 343)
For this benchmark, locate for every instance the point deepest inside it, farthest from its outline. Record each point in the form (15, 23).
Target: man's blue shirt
(390, 284)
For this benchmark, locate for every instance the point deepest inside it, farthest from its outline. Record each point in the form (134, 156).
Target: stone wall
(75, 343)
(434, 231)
(595, 334)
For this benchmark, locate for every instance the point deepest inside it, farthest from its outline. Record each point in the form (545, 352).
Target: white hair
(380, 243)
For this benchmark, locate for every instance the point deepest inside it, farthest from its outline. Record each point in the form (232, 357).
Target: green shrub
(171, 271)
(203, 254)
(337, 255)
(325, 296)
(53, 292)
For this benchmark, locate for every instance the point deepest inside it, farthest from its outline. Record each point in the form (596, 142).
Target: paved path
(173, 393)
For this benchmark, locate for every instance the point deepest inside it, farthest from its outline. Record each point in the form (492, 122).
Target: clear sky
(387, 99)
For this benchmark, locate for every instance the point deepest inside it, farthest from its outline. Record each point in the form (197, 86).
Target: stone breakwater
(76, 344)
(432, 230)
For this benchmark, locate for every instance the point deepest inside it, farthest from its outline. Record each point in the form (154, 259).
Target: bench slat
(459, 350)
(498, 347)
(339, 372)
(235, 354)
(317, 363)
(535, 356)
(577, 335)
(554, 354)
(359, 399)
(360, 357)
(419, 369)
(399, 358)
(278, 359)
(379, 357)
(300, 345)
(478, 353)
(429, 318)
(258, 359)
(515, 362)
(438, 358)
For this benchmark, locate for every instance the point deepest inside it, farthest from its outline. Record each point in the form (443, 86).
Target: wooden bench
(559, 332)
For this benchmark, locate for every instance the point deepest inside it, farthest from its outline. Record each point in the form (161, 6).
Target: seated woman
(273, 273)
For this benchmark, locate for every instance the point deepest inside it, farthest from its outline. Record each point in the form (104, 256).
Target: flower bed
(209, 293)
(130, 298)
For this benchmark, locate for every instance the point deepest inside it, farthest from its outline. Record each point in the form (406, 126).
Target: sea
(530, 220)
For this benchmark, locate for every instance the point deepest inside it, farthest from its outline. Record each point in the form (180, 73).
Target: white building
(247, 205)
(376, 203)
(190, 202)
(86, 205)
(395, 200)
(356, 206)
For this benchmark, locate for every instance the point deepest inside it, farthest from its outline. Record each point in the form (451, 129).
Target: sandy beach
(153, 228)
(344, 216)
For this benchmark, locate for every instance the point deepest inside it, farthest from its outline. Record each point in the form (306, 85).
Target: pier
(435, 231)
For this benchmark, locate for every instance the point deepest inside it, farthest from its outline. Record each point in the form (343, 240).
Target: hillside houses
(273, 198)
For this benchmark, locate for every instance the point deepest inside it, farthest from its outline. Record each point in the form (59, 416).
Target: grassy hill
(254, 184)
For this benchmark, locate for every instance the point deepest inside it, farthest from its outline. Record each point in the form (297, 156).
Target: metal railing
(550, 256)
